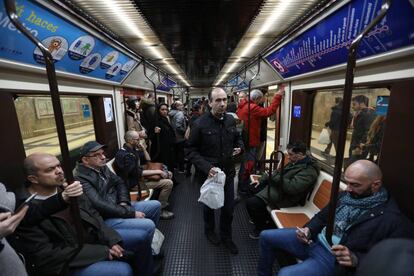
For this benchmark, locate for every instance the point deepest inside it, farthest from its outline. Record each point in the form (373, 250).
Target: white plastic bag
(212, 191)
(157, 241)
(324, 137)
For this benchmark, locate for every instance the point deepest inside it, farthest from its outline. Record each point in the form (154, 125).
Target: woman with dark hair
(133, 119)
(162, 142)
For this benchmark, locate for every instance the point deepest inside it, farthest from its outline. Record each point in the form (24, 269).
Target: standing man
(362, 120)
(179, 124)
(213, 142)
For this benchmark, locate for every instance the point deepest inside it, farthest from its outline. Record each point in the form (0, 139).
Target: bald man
(364, 216)
(213, 142)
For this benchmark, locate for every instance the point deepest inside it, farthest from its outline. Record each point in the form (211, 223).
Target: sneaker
(213, 238)
(166, 214)
(255, 235)
(231, 246)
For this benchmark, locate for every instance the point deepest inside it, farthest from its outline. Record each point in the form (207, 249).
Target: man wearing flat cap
(110, 196)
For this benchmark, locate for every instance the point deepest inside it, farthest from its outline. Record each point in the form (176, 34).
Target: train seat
(300, 215)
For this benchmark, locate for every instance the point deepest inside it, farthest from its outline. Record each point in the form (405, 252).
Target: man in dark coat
(299, 178)
(365, 215)
(50, 246)
(363, 118)
(213, 142)
(134, 221)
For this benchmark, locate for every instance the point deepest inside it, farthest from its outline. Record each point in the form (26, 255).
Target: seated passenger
(10, 262)
(50, 247)
(365, 215)
(128, 163)
(110, 197)
(299, 177)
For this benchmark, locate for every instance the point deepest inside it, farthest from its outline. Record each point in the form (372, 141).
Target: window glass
(365, 124)
(38, 127)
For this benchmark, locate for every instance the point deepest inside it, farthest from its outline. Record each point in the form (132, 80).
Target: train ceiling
(199, 43)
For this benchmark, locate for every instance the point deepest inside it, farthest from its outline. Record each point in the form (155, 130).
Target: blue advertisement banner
(326, 44)
(166, 84)
(297, 110)
(73, 49)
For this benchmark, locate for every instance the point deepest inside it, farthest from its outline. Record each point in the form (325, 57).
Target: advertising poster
(109, 114)
(73, 49)
(327, 43)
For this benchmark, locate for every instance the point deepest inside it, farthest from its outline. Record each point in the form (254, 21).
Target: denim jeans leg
(151, 208)
(138, 242)
(278, 239)
(320, 262)
(144, 227)
(104, 268)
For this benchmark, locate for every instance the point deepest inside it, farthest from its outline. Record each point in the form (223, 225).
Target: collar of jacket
(222, 119)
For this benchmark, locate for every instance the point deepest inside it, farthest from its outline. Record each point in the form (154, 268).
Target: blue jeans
(105, 268)
(317, 260)
(137, 233)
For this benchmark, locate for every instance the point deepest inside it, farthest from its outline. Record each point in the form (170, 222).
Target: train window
(365, 130)
(38, 128)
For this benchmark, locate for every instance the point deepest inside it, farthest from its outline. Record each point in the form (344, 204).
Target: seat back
(323, 194)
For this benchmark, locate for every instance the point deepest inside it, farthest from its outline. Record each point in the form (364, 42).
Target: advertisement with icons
(73, 49)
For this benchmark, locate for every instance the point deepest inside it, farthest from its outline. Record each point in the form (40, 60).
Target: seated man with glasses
(135, 222)
(299, 178)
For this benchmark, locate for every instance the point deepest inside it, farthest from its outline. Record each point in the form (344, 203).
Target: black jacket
(128, 165)
(106, 191)
(162, 144)
(211, 143)
(382, 222)
(362, 122)
(51, 247)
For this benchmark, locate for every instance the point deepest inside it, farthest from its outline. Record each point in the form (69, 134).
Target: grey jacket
(179, 124)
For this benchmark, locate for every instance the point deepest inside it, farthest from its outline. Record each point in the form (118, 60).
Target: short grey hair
(256, 94)
(129, 135)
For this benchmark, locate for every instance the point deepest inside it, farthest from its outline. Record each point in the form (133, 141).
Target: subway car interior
(70, 69)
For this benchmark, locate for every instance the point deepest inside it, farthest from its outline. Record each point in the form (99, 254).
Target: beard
(365, 194)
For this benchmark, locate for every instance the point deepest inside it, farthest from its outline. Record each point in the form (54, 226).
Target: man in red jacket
(252, 128)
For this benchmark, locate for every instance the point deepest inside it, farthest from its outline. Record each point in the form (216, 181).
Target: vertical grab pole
(57, 109)
(248, 107)
(349, 82)
(156, 110)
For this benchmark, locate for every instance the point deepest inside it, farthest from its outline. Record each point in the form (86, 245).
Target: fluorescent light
(123, 16)
(275, 16)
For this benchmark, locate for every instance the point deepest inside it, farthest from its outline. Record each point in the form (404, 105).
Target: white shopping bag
(212, 191)
(157, 241)
(324, 138)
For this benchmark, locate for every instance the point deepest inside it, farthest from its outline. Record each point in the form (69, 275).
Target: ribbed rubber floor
(188, 252)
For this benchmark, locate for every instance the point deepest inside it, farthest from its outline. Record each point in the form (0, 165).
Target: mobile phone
(302, 231)
(26, 202)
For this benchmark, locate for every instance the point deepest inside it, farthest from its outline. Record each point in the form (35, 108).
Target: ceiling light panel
(123, 18)
(274, 17)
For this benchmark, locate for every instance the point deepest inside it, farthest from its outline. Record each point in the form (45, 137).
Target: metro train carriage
(333, 77)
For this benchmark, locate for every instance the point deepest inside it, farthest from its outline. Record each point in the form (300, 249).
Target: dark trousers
(179, 155)
(256, 208)
(226, 212)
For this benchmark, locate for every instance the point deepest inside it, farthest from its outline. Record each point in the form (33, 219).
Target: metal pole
(349, 82)
(60, 126)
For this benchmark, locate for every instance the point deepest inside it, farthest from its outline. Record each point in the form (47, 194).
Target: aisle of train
(188, 252)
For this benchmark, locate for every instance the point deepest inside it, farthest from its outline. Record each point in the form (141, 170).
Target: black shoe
(213, 238)
(231, 246)
(255, 235)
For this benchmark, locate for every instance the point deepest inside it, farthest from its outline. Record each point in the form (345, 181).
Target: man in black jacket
(364, 216)
(128, 165)
(135, 222)
(213, 142)
(50, 246)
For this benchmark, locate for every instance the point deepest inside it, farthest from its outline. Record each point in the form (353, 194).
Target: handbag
(157, 242)
(324, 137)
(153, 166)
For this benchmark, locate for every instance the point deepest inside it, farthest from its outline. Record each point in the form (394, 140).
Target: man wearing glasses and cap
(109, 195)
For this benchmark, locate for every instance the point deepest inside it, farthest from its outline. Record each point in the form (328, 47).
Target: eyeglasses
(96, 155)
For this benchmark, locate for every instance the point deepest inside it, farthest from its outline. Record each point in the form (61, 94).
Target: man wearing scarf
(365, 215)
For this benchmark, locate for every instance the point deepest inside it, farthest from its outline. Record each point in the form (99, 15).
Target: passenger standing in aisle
(212, 144)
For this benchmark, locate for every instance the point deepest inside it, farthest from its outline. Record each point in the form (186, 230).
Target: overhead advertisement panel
(73, 49)
(326, 44)
(166, 84)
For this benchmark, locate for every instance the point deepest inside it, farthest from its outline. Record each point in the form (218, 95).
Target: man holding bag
(213, 142)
